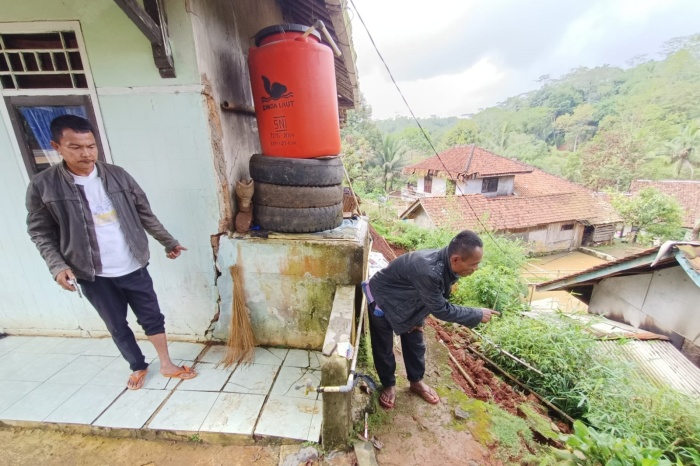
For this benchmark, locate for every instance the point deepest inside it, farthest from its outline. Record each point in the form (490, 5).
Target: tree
(463, 133)
(390, 158)
(683, 149)
(651, 211)
(577, 125)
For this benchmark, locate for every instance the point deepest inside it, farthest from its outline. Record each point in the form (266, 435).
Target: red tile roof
(686, 192)
(458, 162)
(540, 183)
(512, 212)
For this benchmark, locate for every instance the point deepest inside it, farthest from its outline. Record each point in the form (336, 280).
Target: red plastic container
(294, 91)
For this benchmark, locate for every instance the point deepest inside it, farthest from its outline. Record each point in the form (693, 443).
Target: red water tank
(294, 91)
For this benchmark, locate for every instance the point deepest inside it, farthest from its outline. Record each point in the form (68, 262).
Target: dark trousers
(110, 297)
(412, 347)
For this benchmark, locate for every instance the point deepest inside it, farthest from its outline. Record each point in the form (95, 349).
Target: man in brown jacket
(89, 221)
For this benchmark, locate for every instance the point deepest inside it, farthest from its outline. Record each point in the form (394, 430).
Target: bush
(586, 382)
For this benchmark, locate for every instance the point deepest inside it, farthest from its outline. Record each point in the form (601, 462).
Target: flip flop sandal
(185, 373)
(136, 380)
(386, 404)
(428, 395)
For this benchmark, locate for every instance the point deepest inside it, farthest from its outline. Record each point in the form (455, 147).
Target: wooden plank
(142, 20)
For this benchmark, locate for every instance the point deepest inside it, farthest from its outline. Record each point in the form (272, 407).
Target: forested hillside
(602, 127)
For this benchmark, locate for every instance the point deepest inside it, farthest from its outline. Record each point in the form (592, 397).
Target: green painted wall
(119, 54)
(162, 138)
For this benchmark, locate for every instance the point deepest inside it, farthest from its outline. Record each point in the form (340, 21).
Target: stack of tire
(297, 195)
(298, 177)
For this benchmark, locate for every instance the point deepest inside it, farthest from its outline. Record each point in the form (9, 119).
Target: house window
(42, 76)
(428, 184)
(567, 227)
(489, 185)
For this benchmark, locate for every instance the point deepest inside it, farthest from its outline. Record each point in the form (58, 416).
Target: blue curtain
(39, 120)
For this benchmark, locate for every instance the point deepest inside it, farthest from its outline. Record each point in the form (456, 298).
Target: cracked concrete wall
(290, 284)
(223, 32)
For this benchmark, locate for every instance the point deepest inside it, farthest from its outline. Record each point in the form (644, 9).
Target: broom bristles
(240, 347)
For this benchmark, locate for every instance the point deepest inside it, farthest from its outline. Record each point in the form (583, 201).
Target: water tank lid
(277, 28)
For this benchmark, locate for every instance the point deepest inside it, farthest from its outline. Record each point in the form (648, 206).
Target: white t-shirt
(115, 253)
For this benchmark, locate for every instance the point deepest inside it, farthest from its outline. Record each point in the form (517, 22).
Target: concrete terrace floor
(81, 381)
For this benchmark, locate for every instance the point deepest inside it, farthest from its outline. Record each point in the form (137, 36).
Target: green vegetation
(602, 127)
(592, 448)
(588, 383)
(655, 214)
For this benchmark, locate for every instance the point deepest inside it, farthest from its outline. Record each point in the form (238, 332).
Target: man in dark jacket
(89, 221)
(404, 293)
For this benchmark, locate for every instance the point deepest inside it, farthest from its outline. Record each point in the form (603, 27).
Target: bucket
(292, 76)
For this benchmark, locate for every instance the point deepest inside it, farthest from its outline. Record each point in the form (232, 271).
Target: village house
(656, 290)
(469, 187)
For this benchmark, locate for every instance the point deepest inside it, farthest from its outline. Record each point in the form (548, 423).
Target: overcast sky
(453, 57)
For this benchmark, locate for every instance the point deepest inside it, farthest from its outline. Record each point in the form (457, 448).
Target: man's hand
(175, 252)
(487, 314)
(62, 279)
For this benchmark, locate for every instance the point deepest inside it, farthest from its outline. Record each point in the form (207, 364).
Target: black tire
(297, 197)
(288, 220)
(296, 172)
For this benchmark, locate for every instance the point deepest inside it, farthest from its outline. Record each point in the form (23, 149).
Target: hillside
(602, 127)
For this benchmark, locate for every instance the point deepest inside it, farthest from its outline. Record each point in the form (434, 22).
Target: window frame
(487, 182)
(428, 184)
(86, 97)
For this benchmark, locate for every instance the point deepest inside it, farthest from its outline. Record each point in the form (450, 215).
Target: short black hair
(74, 122)
(464, 244)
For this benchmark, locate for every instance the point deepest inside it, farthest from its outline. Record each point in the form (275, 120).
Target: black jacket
(59, 221)
(417, 284)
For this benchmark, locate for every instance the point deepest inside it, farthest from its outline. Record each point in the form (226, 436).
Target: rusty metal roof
(662, 363)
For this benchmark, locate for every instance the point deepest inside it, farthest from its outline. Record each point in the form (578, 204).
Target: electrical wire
(427, 138)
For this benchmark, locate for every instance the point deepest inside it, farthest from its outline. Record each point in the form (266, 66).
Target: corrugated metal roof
(661, 362)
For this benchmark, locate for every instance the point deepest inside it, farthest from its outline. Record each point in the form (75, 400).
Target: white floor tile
(234, 413)
(214, 354)
(148, 350)
(73, 346)
(82, 369)
(270, 356)
(11, 391)
(36, 367)
(40, 402)
(185, 350)
(315, 360)
(184, 411)
(117, 372)
(316, 423)
(297, 358)
(85, 405)
(254, 378)
(292, 382)
(132, 409)
(11, 342)
(103, 347)
(41, 345)
(287, 417)
(209, 379)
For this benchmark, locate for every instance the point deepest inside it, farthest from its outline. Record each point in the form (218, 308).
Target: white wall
(663, 301)
(439, 187)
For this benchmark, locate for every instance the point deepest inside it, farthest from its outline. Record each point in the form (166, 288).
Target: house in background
(508, 197)
(686, 192)
(656, 290)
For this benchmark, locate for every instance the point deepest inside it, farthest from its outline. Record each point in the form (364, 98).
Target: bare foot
(136, 380)
(388, 397)
(424, 391)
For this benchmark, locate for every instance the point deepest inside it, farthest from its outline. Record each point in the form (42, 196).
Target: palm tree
(390, 157)
(683, 149)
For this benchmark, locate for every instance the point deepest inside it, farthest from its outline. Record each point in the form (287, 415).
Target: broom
(241, 341)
